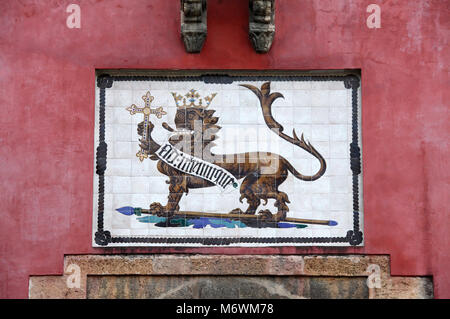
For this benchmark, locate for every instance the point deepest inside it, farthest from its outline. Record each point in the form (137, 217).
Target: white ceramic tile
(302, 98)
(120, 221)
(157, 231)
(228, 116)
(320, 133)
(122, 232)
(301, 204)
(319, 98)
(339, 167)
(339, 132)
(281, 86)
(119, 98)
(193, 202)
(339, 149)
(302, 85)
(338, 98)
(302, 115)
(118, 167)
(247, 146)
(303, 165)
(287, 100)
(121, 200)
(248, 116)
(248, 100)
(323, 147)
(341, 201)
(335, 85)
(122, 132)
(230, 99)
(338, 115)
(320, 202)
(121, 185)
(321, 186)
(320, 115)
(159, 85)
(140, 185)
(339, 184)
(284, 115)
(122, 150)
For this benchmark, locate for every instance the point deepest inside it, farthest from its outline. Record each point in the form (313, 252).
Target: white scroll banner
(197, 167)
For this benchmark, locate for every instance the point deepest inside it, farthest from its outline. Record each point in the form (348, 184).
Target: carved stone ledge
(193, 24)
(261, 24)
(327, 276)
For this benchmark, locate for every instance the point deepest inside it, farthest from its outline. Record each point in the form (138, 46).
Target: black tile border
(354, 236)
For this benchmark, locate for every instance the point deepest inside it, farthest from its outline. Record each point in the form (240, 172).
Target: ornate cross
(146, 110)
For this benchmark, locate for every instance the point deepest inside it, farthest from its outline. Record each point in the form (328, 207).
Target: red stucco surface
(47, 78)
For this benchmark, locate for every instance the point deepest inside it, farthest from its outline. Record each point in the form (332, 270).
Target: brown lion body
(262, 172)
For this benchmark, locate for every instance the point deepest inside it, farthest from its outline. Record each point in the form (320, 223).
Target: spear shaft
(246, 216)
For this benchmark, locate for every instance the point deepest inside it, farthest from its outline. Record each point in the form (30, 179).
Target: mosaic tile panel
(245, 161)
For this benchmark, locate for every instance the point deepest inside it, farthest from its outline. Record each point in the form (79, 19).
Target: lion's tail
(266, 99)
(310, 149)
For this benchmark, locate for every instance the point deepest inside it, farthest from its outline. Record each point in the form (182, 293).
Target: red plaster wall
(47, 78)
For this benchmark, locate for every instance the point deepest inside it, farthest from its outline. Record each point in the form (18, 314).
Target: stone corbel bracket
(193, 24)
(261, 24)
